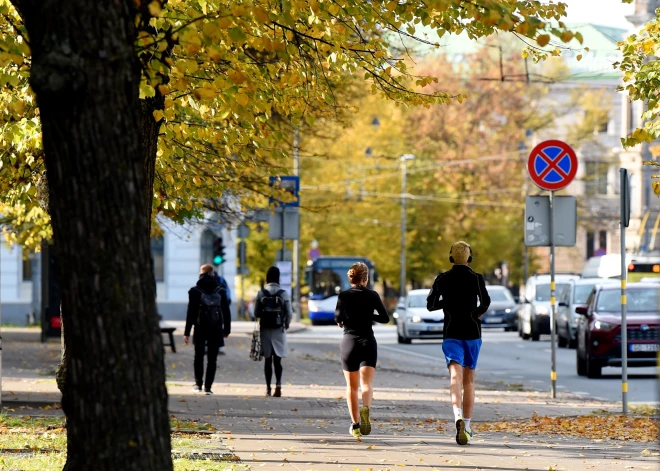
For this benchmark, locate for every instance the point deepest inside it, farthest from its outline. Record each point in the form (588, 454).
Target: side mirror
(581, 310)
(563, 304)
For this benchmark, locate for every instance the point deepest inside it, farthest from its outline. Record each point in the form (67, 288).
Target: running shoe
(365, 422)
(461, 436)
(355, 430)
(197, 389)
(470, 435)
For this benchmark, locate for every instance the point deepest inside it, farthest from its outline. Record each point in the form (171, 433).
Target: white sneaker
(196, 389)
(208, 392)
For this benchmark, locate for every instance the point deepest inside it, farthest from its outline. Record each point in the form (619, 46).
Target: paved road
(504, 357)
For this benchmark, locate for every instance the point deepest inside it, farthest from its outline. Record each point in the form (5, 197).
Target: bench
(170, 332)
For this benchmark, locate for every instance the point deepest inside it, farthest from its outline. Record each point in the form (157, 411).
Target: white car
(414, 321)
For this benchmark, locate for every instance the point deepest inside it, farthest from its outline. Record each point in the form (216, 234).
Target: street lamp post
(404, 167)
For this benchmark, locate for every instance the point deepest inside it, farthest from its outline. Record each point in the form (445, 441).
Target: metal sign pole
(624, 276)
(553, 308)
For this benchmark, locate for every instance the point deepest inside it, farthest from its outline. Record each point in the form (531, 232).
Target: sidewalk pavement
(307, 428)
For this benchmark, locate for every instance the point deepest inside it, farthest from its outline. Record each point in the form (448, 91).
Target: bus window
(325, 283)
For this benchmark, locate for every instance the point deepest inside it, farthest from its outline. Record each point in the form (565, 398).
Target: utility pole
(296, 242)
(404, 169)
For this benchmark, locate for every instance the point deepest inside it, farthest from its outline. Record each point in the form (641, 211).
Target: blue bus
(326, 278)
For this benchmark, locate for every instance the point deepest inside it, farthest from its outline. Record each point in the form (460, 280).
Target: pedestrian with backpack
(208, 313)
(273, 309)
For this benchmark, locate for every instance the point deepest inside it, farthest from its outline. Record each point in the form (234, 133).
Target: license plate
(493, 320)
(644, 347)
(434, 328)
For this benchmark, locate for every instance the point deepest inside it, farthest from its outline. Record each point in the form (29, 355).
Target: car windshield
(582, 293)
(417, 300)
(638, 300)
(500, 295)
(543, 291)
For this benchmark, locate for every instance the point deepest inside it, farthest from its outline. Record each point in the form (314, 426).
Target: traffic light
(218, 252)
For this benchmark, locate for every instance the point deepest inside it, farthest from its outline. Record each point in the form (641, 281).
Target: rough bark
(149, 129)
(85, 75)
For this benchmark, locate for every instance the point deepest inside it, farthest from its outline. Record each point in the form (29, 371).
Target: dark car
(574, 294)
(503, 311)
(599, 328)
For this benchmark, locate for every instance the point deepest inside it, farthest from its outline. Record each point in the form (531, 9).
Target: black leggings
(268, 369)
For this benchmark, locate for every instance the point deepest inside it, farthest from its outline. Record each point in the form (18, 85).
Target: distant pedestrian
(208, 313)
(223, 283)
(462, 294)
(273, 309)
(359, 350)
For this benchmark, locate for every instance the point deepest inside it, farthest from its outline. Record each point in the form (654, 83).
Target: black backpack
(272, 309)
(209, 314)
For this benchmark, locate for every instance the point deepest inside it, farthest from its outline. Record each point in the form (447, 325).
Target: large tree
(151, 107)
(85, 75)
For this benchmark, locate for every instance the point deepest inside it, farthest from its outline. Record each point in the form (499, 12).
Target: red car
(599, 328)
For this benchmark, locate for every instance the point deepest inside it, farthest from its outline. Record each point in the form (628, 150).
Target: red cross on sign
(552, 165)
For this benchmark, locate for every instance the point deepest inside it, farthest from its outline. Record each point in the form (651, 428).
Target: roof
(419, 291)
(594, 65)
(636, 285)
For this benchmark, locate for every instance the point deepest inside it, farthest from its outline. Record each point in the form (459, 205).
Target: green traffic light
(217, 260)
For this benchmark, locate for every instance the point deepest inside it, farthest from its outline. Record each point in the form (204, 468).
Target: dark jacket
(208, 284)
(461, 294)
(355, 311)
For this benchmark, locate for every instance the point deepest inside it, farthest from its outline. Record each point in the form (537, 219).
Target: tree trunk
(85, 75)
(149, 129)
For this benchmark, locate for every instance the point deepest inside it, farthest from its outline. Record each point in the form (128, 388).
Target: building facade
(177, 256)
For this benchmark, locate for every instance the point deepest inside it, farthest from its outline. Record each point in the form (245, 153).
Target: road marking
(581, 393)
(415, 354)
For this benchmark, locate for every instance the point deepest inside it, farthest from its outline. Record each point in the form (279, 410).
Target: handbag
(256, 350)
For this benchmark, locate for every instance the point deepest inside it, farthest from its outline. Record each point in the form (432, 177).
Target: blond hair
(461, 252)
(358, 273)
(205, 269)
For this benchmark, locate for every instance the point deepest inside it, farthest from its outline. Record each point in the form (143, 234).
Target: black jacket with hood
(208, 284)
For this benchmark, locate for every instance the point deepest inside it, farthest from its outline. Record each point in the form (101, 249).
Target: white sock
(467, 424)
(458, 413)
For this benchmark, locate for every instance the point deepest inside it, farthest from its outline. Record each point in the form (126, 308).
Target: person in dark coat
(206, 338)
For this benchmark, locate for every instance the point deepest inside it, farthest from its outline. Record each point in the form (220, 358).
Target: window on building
(591, 242)
(602, 241)
(595, 178)
(158, 255)
(27, 268)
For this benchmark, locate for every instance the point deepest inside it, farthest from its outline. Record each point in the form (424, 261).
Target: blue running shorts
(463, 352)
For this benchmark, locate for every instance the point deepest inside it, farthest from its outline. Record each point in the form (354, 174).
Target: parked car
(574, 294)
(415, 321)
(400, 307)
(599, 328)
(534, 310)
(503, 312)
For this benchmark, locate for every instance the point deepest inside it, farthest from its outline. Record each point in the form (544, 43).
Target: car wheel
(399, 338)
(315, 322)
(594, 370)
(581, 364)
(535, 335)
(519, 329)
(562, 342)
(572, 341)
